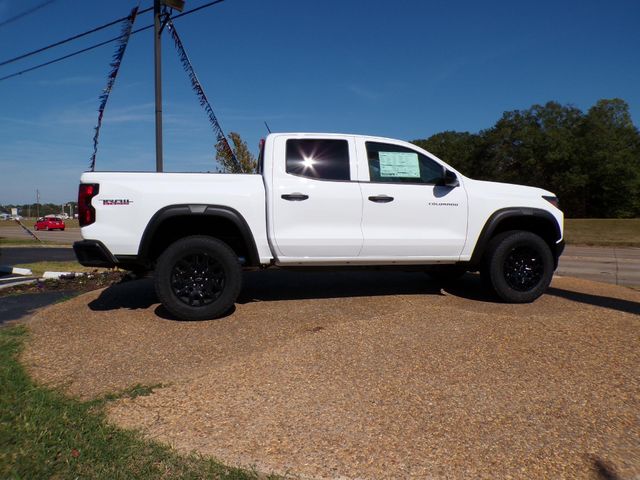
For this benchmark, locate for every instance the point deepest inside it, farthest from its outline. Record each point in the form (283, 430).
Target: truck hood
(506, 189)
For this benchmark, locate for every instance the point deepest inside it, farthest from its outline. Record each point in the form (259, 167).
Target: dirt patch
(90, 281)
(367, 375)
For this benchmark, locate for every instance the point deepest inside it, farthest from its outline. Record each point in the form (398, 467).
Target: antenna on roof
(266, 125)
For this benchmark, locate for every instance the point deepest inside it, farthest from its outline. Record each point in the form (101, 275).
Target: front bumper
(93, 253)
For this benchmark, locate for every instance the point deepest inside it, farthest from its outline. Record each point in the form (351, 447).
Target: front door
(406, 215)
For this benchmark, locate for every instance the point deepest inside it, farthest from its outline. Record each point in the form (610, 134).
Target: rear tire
(198, 278)
(518, 266)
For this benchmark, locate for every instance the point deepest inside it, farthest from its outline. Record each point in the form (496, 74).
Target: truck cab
(366, 200)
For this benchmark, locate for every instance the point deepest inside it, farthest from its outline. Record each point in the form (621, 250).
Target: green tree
(540, 146)
(591, 161)
(246, 161)
(611, 150)
(459, 149)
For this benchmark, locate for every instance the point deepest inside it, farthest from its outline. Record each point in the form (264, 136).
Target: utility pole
(37, 203)
(158, 25)
(157, 46)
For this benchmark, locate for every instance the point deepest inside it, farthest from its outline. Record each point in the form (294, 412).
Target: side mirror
(450, 179)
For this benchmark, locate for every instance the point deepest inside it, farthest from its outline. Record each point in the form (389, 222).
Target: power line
(26, 12)
(97, 45)
(67, 40)
(78, 52)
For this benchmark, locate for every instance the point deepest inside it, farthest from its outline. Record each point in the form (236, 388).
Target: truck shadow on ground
(611, 303)
(281, 285)
(277, 285)
(131, 295)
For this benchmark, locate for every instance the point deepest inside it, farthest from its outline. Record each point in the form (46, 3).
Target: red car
(49, 223)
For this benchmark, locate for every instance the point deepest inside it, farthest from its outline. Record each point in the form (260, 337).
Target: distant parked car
(5, 216)
(49, 223)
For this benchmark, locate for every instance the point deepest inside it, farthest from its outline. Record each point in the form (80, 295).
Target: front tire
(198, 278)
(518, 266)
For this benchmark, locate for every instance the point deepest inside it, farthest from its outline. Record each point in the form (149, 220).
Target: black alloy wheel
(523, 268)
(518, 266)
(198, 278)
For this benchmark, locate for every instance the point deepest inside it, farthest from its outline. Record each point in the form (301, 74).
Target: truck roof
(330, 134)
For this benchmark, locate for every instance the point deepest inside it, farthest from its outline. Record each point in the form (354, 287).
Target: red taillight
(86, 213)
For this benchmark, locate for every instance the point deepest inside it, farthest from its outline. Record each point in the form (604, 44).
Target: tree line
(590, 160)
(42, 209)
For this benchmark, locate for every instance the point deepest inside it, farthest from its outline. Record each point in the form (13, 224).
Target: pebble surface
(367, 375)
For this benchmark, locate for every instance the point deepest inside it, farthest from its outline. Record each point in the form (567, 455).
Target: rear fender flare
(198, 210)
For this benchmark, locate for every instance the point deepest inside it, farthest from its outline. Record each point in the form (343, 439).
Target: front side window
(318, 158)
(396, 164)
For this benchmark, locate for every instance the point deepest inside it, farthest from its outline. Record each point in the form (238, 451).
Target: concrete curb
(21, 282)
(58, 275)
(15, 279)
(14, 270)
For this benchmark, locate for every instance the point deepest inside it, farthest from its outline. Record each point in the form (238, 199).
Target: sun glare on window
(308, 162)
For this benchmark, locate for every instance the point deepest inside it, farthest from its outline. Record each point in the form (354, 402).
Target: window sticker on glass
(399, 164)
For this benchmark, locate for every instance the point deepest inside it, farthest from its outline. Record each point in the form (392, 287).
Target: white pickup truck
(321, 200)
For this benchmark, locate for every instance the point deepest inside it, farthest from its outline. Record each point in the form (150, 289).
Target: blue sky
(403, 69)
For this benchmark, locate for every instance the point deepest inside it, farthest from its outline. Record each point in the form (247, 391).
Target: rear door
(407, 214)
(316, 203)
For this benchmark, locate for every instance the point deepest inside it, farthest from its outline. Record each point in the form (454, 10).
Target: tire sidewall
(500, 248)
(191, 245)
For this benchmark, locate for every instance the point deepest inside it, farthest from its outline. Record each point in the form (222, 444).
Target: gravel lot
(367, 375)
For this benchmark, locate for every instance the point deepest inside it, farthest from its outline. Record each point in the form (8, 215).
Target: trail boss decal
(118, 201)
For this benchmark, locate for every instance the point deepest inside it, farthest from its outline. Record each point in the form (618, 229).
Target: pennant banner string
(115, 67)
(204, 102)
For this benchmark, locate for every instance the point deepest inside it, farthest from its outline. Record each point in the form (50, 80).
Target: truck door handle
(381, 199)
(294, 197)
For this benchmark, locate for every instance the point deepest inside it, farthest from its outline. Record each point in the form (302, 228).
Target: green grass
(44, 434)
(603, 231)
(30, 222)
(24, 242)
(38, 268)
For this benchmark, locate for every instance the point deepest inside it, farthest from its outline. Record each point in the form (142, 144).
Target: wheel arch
(178, 221)
(534, 220)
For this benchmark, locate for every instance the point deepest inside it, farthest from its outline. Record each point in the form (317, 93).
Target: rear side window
(318, 158)
(395, 164)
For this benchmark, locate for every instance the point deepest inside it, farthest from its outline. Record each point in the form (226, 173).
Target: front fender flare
(493, 222)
